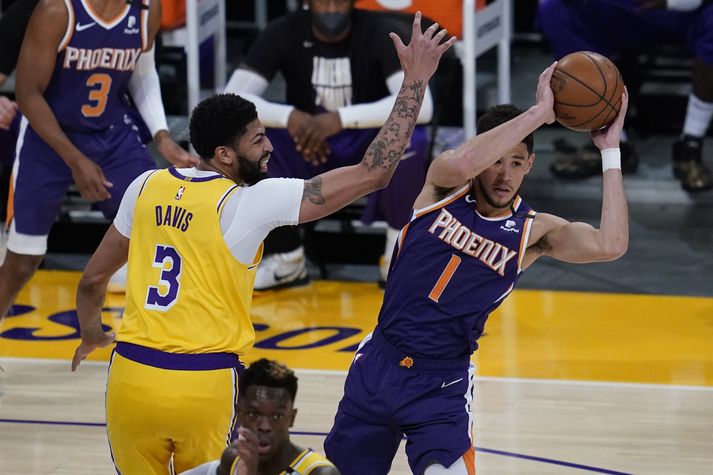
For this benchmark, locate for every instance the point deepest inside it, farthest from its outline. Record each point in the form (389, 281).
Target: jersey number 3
(165, 295)
(99, 85)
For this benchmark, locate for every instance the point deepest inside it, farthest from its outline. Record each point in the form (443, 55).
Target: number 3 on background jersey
(168, 282)
(99, 85)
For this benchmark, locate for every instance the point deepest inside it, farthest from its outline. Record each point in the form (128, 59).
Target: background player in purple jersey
(78, 61)
(469, 239)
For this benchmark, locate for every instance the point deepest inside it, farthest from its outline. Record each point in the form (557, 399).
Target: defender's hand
(90, 180)
(173, 152)
(89, 344)
(420, 58)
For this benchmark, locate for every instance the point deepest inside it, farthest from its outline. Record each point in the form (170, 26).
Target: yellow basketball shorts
(154, 413)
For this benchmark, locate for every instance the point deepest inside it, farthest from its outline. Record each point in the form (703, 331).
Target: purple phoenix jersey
(94, 64)
(451, 268)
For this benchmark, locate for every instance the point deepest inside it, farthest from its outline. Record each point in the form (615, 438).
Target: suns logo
(179, 193)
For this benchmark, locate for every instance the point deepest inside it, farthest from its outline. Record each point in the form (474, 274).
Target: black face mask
(331, 25)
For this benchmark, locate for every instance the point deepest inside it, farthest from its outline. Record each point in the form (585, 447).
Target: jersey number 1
(445, 277)
(99, 85)
(168, 282)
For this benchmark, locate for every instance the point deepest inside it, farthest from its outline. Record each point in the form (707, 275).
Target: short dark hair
(219, 121)
(500, 114)
(268, 373)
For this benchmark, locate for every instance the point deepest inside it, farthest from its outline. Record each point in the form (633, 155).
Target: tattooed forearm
(387, 148)
(313, 191)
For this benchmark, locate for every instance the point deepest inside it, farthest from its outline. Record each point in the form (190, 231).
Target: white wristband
(611, 158)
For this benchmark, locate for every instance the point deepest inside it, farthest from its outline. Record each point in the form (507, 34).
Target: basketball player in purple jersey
(470, 237)
(78, 60)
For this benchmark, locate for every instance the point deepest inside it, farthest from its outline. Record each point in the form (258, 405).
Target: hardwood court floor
(554, 393)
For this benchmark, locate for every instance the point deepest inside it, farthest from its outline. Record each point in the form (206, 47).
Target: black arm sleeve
(13, 24)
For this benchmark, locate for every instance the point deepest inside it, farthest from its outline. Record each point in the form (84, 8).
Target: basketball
(587, 89)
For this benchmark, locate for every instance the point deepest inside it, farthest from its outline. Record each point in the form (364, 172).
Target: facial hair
(490, 201)
(250, 171)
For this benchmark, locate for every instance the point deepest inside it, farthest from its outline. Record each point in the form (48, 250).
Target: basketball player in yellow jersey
(266, 413)
(193, 238)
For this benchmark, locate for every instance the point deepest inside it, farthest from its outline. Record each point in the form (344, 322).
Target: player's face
(253, 153)
(269, 413)
(498, 185)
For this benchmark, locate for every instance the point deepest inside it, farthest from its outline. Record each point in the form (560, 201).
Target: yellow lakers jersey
(303, 464)
(186, 293)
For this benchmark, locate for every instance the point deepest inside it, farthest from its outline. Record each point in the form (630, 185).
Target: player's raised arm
(333, 190)
(454, 168)
(580, 242)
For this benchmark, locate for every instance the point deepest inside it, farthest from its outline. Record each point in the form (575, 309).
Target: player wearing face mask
(342, 77)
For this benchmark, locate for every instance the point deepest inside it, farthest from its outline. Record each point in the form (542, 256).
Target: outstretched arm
(581, 242)
(336, 188)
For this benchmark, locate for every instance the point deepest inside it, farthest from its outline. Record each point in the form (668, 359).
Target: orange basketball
(587, 88)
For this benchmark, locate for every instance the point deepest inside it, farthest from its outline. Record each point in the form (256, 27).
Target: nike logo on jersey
(491, 253)
(86, 26)
(444, 385)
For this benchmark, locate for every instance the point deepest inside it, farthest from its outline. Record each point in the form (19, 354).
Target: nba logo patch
(132, 21)
(179, 193)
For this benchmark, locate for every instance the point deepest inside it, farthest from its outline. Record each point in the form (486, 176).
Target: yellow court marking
(534, 334)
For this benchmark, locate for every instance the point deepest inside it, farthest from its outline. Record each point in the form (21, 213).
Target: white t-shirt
(248, 216)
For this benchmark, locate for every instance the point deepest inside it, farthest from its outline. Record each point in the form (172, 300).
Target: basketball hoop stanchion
(204, 19)
(489, 27)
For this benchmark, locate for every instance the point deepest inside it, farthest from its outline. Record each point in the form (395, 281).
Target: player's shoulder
(542, 224)
(51, 9)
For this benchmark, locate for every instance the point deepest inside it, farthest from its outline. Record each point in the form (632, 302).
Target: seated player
(266, 409)
(342, 78)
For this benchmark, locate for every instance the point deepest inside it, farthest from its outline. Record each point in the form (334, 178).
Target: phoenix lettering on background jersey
(86, 91)
(466, 264)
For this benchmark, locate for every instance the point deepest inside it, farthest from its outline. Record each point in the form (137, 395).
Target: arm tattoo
(313, 191)
(387, 148)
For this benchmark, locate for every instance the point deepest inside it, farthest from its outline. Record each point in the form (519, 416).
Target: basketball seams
(576, 81)
(585, 85)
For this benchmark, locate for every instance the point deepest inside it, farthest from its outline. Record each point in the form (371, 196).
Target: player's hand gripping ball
(587, 89)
